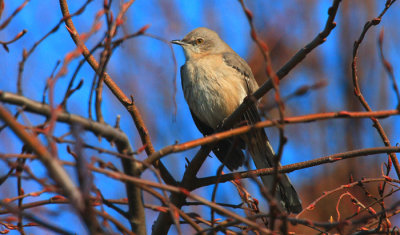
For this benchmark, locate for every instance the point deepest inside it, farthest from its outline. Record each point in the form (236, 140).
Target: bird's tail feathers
(263, 157)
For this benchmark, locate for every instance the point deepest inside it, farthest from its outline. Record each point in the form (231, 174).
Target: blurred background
(144, 67)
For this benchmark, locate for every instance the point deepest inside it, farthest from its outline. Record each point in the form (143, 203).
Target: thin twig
(389, 68)
(296, 166)
(357, 90)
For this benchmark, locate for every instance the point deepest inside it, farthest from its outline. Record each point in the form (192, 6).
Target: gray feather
(233, 60)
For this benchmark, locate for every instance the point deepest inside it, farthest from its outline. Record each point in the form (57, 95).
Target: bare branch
(357, 90)
(268, 123)
(296, 166)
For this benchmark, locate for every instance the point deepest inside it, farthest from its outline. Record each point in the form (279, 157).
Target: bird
(215, 81)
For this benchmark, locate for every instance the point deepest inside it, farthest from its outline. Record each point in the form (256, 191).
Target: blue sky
(144, 68)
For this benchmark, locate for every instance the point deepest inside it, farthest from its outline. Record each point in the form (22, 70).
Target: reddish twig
(357, 90)
(32, 194)
(244, 129)
(117, 224)
(389, 68)
(18, 36)
(16, 11)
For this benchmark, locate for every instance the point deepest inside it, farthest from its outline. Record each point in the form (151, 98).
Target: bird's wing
(257, 141)
(233, 60)
(258, 138)
(228, 151)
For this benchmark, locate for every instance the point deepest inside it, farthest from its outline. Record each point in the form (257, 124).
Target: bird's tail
(263, 157)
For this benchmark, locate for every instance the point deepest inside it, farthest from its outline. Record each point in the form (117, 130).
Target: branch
(18, 36)
(296, 166)
(98, 129)
(389, 68)
(16, 11)
(268, 123)
(357, 90)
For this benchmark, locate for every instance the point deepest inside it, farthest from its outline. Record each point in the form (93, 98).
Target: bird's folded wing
(228, 151)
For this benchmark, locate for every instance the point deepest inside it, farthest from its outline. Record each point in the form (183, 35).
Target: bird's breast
(212, 89)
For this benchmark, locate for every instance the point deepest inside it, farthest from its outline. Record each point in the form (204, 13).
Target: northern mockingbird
(215, 80)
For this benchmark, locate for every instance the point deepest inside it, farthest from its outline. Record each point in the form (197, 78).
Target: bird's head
(201, 41)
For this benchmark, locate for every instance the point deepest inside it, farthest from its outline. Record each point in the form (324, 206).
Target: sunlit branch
(297, 166)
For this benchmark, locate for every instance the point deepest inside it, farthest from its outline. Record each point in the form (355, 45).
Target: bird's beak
(178, 42)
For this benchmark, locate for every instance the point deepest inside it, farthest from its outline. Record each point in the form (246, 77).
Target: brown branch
(296, 166)
(107, 52)
(268, 123)
(98, 129)
(362, 220)
(311, 206)
(18, 171)
(33, 194)
(53, 200)
(357, 90)
(108, 202)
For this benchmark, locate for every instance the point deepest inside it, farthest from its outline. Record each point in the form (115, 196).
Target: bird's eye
(199, 41)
